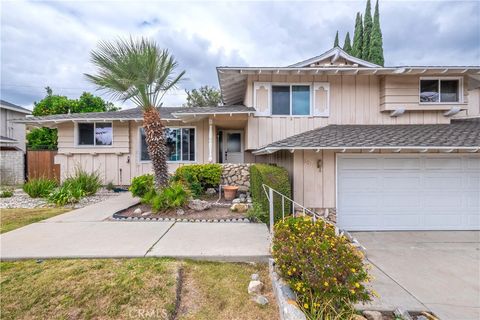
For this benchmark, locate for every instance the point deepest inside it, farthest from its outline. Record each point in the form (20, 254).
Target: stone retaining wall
(236, 175)
(12, 166)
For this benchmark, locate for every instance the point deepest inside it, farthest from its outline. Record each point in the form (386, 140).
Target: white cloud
(48, 43)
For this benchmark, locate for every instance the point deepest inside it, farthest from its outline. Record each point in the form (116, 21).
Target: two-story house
(12, 143)
(389, 148)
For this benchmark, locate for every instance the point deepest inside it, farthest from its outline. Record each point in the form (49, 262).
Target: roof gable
(334, 57)
(10, 106)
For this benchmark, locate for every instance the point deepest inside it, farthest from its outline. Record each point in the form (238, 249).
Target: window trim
(139, 141)
(460, 90)
(290, 84)
(94, 145)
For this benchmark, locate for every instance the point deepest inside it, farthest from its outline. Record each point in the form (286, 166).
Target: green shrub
(325, 270)
(171, 197)
(198, 177)
(68, 193)
(272, 176)
(256, 213)
(39, 188)
(6, 192)
(89, 183)
(141, 185)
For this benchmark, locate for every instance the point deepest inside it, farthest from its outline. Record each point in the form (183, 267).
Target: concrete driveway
(430, 270)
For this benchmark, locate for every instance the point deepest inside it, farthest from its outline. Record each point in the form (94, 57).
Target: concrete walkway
(84, 233)
(426, 270)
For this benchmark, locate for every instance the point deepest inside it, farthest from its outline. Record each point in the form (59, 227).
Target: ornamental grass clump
(87, 182)
(325, 270)
(39, 188)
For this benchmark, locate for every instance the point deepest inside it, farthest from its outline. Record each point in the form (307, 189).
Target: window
(95, 134)
(291, 100)
(439, 90)
(180, 144)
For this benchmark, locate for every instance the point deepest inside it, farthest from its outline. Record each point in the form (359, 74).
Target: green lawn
(130, 289)
(11, 219)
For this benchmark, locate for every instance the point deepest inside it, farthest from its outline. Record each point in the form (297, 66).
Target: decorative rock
(199, 205)
(372, 315)
(239, 207)
(255, 277)
(246, 220)
(180, 212)
(358, 317)
(237, 200)
(203, 220)
(422, 318)
(146, 213)
(261, 300)
(211, 191)
(242, 196)
(137, 211)
(255, 286)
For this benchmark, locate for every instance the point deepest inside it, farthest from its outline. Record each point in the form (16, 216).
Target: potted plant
(230, 192)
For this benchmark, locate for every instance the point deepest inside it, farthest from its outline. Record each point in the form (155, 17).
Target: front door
(232, 146)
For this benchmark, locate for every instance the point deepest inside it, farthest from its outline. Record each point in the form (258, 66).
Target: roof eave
(270, 150)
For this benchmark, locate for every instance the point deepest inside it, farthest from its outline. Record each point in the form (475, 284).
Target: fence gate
(40, 164)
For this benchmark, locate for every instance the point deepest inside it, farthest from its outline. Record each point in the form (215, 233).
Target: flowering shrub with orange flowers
(325, 270)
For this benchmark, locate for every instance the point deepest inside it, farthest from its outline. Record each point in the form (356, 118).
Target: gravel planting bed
(22, 200)
(218, 213)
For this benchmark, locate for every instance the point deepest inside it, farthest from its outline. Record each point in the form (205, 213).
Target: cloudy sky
(48, 43)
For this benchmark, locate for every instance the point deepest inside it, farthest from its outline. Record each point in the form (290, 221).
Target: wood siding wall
(353, 100)
(119, 163)
(67, 139)
(404, 92)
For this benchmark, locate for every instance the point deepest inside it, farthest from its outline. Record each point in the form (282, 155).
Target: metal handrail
(315, 216)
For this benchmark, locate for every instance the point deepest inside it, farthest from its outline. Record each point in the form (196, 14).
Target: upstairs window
(180, 145)
(445, 90)
(291, 100)
(95, 134)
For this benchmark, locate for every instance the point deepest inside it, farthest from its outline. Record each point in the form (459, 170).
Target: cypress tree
(367, 31)
(358, 37)
(347, 47)
(376, 42)
(335, 43)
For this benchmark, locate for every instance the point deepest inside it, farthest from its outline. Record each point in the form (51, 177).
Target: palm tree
(139, 71)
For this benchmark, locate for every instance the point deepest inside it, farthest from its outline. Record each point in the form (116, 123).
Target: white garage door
(408, 192)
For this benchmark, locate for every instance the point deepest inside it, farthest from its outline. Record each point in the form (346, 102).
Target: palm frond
(134, 69)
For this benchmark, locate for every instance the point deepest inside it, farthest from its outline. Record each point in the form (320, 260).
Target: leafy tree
(90, 103)
(46, 138)
(139, 71)
(203, 97)
(347, 46)
(42, 139)
(367, 31)
(335, 43)
(376, 42)
(358, 37)
(53, 104)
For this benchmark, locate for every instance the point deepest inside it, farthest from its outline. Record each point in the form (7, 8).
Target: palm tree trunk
(157, 149)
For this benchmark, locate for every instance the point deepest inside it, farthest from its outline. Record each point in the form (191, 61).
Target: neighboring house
(380, 145)
(12, 143)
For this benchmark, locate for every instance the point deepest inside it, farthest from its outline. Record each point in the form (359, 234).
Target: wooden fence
(40, 164)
